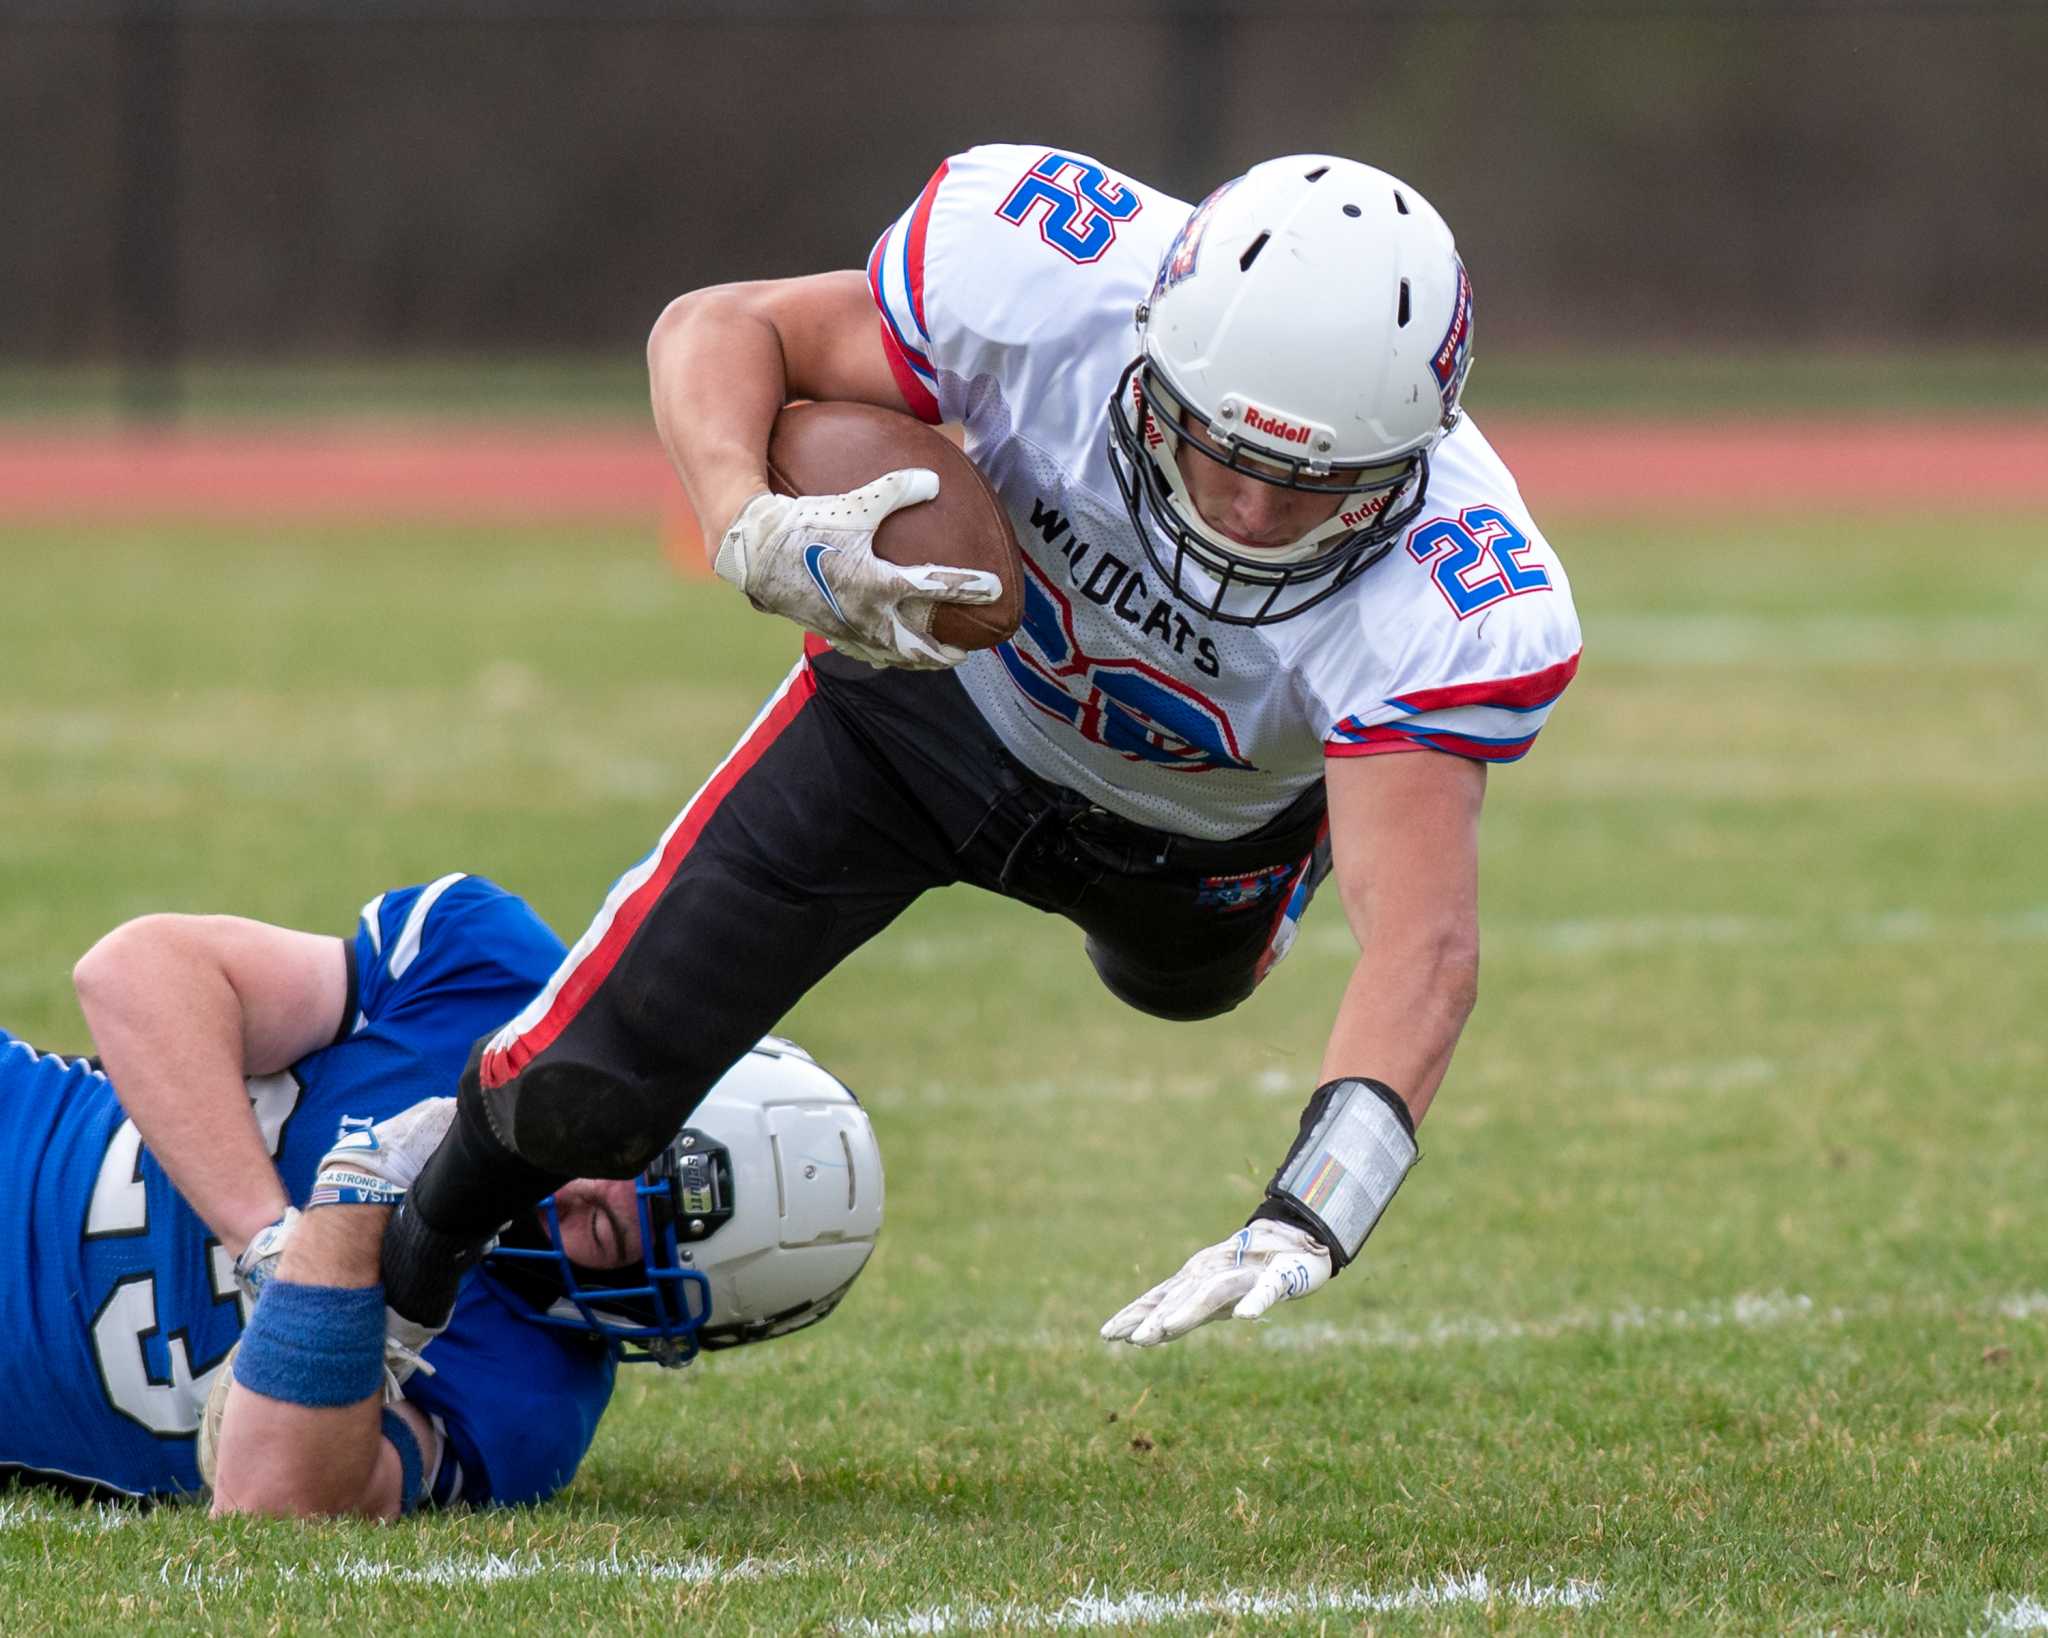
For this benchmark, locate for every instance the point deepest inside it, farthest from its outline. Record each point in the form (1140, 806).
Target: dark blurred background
(207, 179)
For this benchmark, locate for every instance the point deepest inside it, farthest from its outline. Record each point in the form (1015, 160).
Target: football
(827, 449)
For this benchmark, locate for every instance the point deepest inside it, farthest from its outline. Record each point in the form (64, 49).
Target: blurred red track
(528, 474)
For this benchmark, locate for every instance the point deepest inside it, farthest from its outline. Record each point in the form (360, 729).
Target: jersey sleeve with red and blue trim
(896, 280)
(1495, 719)
(1000, 251)
(1485, 638)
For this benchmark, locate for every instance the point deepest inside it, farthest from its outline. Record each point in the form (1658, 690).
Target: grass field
(1719, 1303)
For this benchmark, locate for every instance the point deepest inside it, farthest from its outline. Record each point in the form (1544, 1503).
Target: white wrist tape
(1347, 1163)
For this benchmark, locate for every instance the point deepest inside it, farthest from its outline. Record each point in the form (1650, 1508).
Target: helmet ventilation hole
(1400, 204)
(1317, 174)
(1251, 254)
(1351, 210)
(1401, 316)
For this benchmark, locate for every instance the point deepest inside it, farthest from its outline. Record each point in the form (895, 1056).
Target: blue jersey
(118, 1304)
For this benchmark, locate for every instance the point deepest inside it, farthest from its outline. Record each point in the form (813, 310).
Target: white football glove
(1263, 1263)
(375, 1165)
(812, 559)
(259, 1258)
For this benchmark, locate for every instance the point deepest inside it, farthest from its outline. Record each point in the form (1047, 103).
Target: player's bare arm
(182, 1009)
(299, 1460)
(1404, 830)
(721, 363)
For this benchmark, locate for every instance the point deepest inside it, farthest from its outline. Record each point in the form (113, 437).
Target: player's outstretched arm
(1404, 830)
(182, 1009)
(1404, 835)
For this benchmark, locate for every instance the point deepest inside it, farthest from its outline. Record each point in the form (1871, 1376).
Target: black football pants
(853, 792)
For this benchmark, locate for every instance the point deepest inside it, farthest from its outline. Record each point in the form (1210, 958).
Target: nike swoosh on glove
(1262, 1264)
(811, 558)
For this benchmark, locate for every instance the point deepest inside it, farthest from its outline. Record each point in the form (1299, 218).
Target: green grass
(1966, 381)
(1721, 1288)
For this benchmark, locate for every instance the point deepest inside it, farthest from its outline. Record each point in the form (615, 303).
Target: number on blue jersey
(128, 1318)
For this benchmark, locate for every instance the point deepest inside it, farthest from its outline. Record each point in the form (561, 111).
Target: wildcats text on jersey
(1107, 581)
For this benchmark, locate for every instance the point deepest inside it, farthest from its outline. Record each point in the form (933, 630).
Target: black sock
(470, 1187)
(474, 1183)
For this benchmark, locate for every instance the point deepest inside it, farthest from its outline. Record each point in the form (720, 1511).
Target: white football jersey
(1008, 294)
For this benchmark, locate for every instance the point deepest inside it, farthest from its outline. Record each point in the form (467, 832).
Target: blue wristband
(411, 1465)
(314, 1345)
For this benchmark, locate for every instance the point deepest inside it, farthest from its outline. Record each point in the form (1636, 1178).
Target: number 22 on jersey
(1476, 559)
(1079, 206)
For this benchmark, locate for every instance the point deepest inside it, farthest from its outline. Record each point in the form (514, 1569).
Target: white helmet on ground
(754, 1220)
(1310, 326)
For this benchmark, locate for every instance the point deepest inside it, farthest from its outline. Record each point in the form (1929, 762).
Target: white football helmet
(1310, 326)
(754, 1221)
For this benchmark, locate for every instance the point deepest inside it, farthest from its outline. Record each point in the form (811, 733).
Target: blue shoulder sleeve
(440, 964)
(516, 1404)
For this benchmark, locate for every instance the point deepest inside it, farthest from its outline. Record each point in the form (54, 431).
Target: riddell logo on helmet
(1154, 438)
(1366, 510)
(1274, 426)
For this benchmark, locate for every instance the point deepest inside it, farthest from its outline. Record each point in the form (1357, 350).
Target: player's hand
(1263, 1263)
(262, 1254)
(811, 558)
(375, 1165)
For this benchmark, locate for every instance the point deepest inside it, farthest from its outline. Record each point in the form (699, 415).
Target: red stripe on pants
(577, 985)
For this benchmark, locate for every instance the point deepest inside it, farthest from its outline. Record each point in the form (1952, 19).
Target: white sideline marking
(1745, 1311)
(2017, 1615)
(481, 1570)
(1748, 1311)
(91, 1518)
(1139, 1609)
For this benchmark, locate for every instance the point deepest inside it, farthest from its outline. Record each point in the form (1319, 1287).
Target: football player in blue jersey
(245, 1129)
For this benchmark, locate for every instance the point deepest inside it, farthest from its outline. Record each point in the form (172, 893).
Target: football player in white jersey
(1284, 606)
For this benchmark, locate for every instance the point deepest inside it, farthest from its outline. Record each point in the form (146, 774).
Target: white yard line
(2016, 1615)
(1095, 1609)
(480, 1570)
(1746, 1311)
(32, 1513)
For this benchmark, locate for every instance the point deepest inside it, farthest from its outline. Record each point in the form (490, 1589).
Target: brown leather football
(827, 449)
